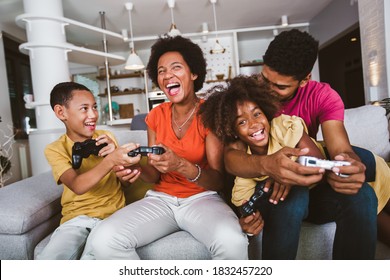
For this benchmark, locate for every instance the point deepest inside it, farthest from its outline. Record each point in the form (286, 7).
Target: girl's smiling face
(252, 127)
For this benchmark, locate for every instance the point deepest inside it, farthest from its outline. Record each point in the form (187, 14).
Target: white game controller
(322, 163)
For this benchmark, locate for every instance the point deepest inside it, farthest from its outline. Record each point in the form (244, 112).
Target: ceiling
(153, 17)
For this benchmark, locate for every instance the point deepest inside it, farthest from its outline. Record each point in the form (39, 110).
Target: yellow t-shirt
(285, 131)
(381, 185)
(99, 202)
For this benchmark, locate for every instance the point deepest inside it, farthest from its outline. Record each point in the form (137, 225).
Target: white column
(372, 19)
(387, 40)
(49, 65)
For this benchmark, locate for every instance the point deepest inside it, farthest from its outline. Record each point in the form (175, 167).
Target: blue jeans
(355, 217)
(282, 225)
(368, 160)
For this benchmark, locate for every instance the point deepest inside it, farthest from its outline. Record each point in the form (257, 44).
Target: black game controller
(84, 149)
(144, 151)
(250, 206)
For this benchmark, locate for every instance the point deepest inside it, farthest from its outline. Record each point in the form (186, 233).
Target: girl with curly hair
(245, 111)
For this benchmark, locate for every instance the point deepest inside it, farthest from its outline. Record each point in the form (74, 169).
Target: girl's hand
(107, 149)
(252, 224)
(279, 191)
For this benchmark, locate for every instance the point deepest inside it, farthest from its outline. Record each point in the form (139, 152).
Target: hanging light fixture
(173, 31)
(205, 31)
(284, 20)
(133, 61)
(217, 46)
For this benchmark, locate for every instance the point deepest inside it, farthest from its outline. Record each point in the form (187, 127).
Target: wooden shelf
(119, 93)
(119, 121)
(251, 64)
(216, 81)
(122, 76)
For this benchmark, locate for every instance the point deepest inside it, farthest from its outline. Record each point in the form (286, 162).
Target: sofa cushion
(179, 245)
(367, 127)
(126, 135)
(37, 204)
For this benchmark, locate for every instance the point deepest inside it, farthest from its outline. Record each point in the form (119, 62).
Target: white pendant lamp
(217, 46)
(133, 61)
(173, 31)
(284, 20)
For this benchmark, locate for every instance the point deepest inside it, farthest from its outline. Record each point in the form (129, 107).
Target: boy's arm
(147, 173)
(82, 183)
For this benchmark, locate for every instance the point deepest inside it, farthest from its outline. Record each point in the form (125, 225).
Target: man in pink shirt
(349, 201)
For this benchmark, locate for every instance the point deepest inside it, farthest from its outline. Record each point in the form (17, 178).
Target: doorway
(340, 65)
(20, 85)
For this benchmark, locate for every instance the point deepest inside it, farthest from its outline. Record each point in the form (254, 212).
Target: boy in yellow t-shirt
(92, 191)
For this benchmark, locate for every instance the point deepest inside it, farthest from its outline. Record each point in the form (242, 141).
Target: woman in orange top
(187, 176)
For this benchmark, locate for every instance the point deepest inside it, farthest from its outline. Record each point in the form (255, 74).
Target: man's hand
(252, 224)
(285, 171)
(355, 176)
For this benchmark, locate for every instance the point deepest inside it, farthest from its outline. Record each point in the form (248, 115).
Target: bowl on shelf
(220, 76)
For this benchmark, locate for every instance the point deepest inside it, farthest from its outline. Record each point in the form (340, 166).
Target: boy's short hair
(191, 53)
(219, 111)
(61, 93)
(292, 53)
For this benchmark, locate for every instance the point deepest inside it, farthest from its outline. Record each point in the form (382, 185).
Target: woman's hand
(168, 161)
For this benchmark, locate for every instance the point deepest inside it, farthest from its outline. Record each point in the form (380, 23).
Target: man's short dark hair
(292, 53)
(191, 52)
(61, 93)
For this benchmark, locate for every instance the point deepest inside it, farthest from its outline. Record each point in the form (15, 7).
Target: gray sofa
(30, 209)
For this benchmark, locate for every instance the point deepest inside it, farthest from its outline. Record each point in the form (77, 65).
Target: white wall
(337, 19)
(334, 20)
(387, 43)
(372, 33)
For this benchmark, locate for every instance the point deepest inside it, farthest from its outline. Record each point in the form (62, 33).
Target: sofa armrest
(29, 202)
(29, 210)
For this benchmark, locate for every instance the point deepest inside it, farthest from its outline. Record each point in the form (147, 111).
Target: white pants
(206, 216)
(68, 240)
